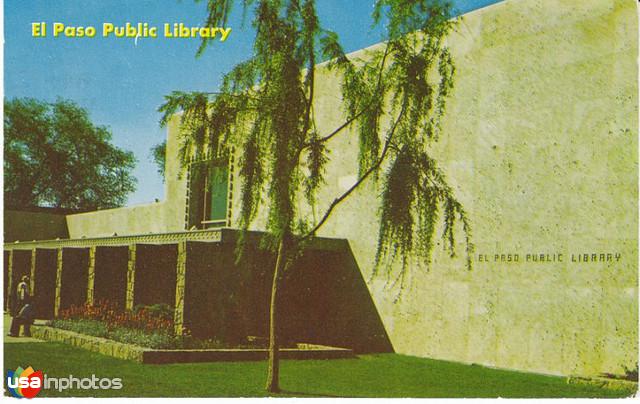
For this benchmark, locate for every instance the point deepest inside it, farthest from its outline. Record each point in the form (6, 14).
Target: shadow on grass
(307, 394)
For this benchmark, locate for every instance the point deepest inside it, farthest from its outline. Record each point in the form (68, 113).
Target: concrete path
(13, 340)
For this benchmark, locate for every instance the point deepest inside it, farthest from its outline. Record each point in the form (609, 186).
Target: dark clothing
(14, 331)
(26, 313)
(21, 298)
(16, 322)
(24, 318)
(22, 311)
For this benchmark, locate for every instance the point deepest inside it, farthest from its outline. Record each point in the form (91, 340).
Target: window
(208, 194)
(216, 192)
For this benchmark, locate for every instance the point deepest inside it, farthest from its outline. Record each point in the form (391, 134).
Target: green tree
(394, 99)
(158, 155)
(54, 156)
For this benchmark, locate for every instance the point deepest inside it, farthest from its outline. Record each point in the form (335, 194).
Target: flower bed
(146, 335)
(145, 326)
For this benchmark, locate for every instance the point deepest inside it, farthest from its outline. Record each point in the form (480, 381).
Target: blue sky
(121, 82)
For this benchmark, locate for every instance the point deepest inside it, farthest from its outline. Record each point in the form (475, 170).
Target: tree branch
(359, 114)
(360, 180)
(311, 80)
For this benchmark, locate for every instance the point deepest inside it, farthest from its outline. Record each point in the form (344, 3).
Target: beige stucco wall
(159, 217)
(541, 147)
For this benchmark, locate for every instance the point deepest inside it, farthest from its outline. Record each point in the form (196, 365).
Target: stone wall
(540, 146)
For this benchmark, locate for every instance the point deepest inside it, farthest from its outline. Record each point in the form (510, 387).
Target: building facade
(540, 146)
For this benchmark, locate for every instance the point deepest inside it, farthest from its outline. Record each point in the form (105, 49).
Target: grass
(384, 375)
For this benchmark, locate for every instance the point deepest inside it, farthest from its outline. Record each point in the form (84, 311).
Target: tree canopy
(54, 156)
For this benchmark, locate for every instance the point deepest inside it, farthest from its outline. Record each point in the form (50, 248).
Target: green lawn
(386, 375)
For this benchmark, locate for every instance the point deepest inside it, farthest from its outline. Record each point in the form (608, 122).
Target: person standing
(25, 317)
(22, 299)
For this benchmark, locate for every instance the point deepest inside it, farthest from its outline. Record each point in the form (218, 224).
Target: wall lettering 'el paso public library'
(547, 258)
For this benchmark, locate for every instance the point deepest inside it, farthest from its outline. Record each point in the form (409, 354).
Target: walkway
(14, 340)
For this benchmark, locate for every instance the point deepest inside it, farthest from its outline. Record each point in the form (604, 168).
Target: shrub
(82, 326)
(157, 340)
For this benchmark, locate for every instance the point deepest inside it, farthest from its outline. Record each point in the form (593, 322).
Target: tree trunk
(273, 375)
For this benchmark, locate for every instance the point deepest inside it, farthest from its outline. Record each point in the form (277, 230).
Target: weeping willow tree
(393, 100)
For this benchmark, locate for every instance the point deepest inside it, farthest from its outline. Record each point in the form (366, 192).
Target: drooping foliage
(394, 97)
(418, 81)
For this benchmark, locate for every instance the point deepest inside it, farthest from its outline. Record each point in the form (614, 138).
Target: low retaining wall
(158, 356)
(164, 356)
(96, 344)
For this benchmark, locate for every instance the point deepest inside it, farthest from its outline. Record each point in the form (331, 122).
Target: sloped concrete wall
(540, 146)
(326, 301)
(323, 299)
